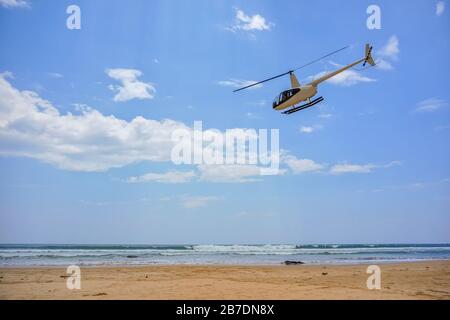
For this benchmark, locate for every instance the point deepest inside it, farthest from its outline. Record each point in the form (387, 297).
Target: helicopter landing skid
(302, 107)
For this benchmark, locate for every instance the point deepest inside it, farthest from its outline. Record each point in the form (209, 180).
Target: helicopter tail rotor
(368, 55)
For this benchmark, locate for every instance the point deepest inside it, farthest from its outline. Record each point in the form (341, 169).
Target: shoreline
(407, 280)
(280, 264)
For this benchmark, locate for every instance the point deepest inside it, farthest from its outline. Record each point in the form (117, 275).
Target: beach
(407, 280)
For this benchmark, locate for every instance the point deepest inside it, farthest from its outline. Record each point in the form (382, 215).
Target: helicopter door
(285, 96)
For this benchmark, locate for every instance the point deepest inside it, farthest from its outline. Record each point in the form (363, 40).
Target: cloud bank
(90, 141)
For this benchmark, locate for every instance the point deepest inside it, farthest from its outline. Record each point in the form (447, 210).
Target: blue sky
(84, 111)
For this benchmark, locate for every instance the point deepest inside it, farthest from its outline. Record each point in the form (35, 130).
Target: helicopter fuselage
(294, 96)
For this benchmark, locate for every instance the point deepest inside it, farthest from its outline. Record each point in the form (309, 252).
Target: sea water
(63, 255)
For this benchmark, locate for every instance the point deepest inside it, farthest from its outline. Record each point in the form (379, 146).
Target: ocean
(92, 255)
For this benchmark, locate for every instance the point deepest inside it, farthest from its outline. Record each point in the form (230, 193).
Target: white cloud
(193, 202)
(346, 78)
(325, 115)
(55, 75)
(359, 168)
(225, 173)
(440, 8)
(388, 53)
(301, 165)
(350, 78)
(310, 129)
(14, 3)
(249, 23)
(384, 65)
(87, 141)
(391, 49)
(168, 177)
(351, 168)
(252, 115)
(430, 105)
(306, 129)
(131, 87)
(230, 173)
(237, 83)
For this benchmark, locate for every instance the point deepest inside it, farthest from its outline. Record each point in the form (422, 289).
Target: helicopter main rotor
(291, 71)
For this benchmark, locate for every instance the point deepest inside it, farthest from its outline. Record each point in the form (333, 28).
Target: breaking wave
(216, 253)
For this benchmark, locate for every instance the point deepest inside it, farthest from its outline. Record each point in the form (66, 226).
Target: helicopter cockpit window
(284, 96)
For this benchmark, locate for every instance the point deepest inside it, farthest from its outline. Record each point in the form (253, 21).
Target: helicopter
(300, 93)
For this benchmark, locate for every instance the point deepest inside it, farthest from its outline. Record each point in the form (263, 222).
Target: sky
(86, 117)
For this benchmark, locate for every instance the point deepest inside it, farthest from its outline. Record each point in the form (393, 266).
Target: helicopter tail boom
(367, 59)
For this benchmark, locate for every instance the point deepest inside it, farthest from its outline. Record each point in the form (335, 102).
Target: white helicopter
(299, 93)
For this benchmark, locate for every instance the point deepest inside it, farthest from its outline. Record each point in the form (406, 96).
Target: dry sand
(424, 280)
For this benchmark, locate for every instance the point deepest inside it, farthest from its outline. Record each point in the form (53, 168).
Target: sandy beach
(424, 280)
